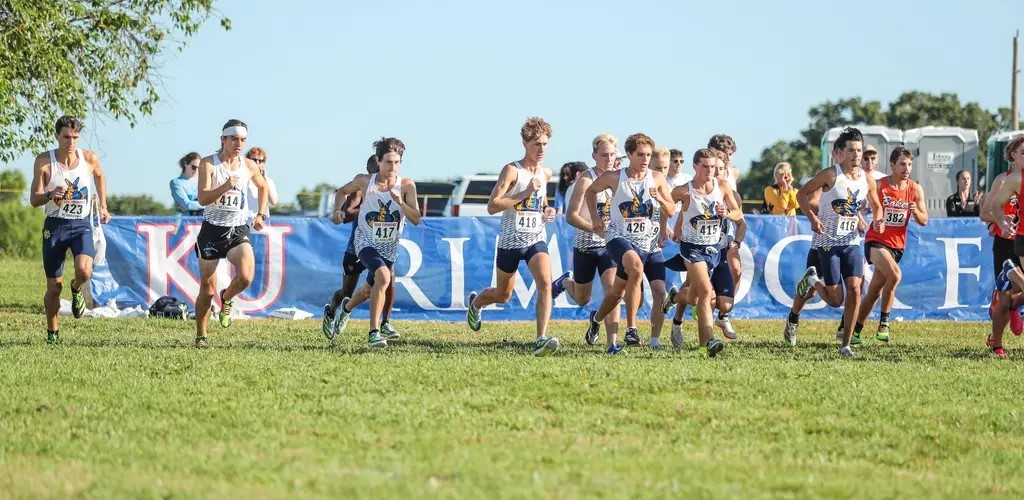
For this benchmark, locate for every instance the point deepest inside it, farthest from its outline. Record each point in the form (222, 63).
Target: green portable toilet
(996, 163)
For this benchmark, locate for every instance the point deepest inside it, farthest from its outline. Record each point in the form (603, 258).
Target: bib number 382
(895, 217)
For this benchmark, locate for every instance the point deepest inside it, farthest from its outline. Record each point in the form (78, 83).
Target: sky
(318, 82)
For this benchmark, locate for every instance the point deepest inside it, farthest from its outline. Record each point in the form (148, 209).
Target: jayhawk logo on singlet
(638, 207)
(73, 192)
(604, 210)
(383, 214)
(847, 207)
(531, 204)
(1013, 211)
(708, 212)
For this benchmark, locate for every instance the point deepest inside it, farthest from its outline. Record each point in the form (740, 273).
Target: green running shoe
(225, 311)
(77, 302)
(883, 332)
(376, 339)
(389, 331)
(472, 313)
(53, 338)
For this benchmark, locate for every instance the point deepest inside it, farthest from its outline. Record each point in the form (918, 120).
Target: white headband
(236, 130)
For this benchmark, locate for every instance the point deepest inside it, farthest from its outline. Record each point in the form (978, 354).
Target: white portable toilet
(939, 153)
(997, 163)
(883, 138)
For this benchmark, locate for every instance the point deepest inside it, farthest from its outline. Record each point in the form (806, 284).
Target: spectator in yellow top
(780, 198)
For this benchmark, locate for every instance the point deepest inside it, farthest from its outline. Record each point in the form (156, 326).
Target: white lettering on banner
(165, 265)
(458, 272)
(953, 269)
(520, 290)
(771, 274)
(415, 261)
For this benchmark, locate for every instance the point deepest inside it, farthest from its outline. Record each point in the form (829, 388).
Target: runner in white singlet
(224, 179)
(519, 196)
(66, 182)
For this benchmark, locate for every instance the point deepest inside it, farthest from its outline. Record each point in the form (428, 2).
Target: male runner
(346, 209)
(632, 236)
(835, 225)
(519, 195)
(590, 255)
(224, 179)
(64, 181)
(388, 201)
(887, 238)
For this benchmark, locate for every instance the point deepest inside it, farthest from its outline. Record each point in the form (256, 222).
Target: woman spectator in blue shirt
(184, 188)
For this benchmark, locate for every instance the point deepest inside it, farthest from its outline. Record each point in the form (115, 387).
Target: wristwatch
(265, 216)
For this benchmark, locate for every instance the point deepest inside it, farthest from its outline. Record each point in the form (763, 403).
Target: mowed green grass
(271, 410)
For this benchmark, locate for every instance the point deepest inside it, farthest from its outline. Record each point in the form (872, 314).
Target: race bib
(895, 217)
(230, 201)
(709, 228)
(384, 232)
(528, 222)
(846, 225)
(637, 226)
(73, 209)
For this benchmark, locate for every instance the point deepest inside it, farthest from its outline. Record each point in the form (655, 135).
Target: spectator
(961, 203)
(566, 177)
(259, 156)
(780, 198)
(675, 175)
(184, 188)
(869, 163)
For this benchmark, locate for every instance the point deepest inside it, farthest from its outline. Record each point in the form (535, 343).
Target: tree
(83, 57)
(284, 209)
(910, 110)
(12, 185)
(136, 205)
(309, 199)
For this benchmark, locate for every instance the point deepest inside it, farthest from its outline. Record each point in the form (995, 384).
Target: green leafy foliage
(95, 57)
(143, 204)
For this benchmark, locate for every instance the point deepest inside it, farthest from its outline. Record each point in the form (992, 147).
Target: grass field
(128, 408)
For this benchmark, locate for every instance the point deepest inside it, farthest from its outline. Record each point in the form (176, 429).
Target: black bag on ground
(168, 307)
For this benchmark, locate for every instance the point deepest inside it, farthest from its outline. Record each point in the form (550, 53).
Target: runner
(66, 182)
(388, 200)
(887, 239)
(632, 237)
(519, 195)
(224, 179)
(1005, 192)
(709, 207)
(346, 209)
(590, 256)
(843, 190)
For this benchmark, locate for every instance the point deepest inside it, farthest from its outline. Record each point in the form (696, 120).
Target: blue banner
(947, 268)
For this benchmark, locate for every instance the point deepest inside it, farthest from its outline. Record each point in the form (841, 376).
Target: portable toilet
(883, 138)
(939, 153)
(997, 164)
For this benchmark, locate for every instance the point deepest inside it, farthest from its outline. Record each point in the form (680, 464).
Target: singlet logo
(383, 214)
(638, 207)
(73, 192)
(847, 207)
(604, 210)
(708, 212)
(532, 203)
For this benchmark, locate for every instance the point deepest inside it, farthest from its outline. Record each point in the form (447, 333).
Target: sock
(794, 318)
(49, 331)
(677, 321)
(858, 327)
(840, 327)
(73, 287)
(884, 317)
(722, 315)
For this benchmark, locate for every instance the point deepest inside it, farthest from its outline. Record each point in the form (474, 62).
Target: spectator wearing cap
(259, 157)
(184, 189)
(961, 203)
(869, 163)
(780, 198)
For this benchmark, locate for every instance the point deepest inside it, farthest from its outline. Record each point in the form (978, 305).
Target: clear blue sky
(318, 82)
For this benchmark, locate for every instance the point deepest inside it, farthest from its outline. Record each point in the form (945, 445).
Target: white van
(469, 199)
